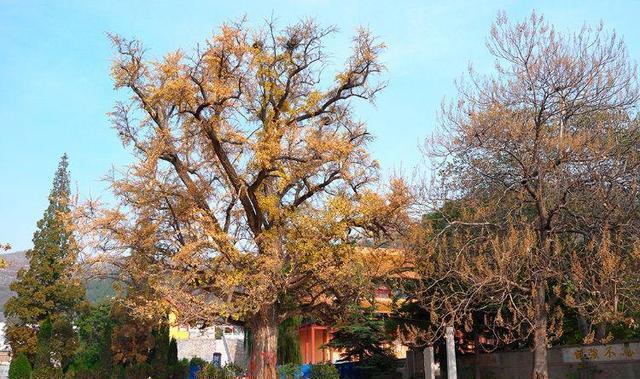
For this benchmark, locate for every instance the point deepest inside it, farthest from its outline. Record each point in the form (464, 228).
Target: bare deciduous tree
(539, 176)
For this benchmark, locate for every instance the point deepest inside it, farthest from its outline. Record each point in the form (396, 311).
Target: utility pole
(451, 353)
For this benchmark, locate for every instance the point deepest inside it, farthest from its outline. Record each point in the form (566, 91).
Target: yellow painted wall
(175, 331)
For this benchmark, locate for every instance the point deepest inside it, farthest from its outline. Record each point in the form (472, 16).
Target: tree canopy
(47, 290)
(537, 188)
(252, 183)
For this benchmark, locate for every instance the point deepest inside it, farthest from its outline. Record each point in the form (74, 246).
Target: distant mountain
(15, 261)
(97, 289)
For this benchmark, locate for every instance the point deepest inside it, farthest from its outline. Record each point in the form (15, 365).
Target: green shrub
(234, 369)
(173, 352)
(118, 372)
(324, 371)
(211, 371)
(160, 354)
(180, 370)
(93, 358)
(290, 370)
(80, 371)
(195, 361)
(47, 372)
(383, 362)
(20, 367)
(138, 371)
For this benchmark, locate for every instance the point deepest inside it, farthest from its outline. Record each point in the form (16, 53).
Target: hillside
(97, 289)
(15, 261)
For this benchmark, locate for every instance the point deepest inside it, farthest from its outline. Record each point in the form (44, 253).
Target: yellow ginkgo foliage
(251, 183)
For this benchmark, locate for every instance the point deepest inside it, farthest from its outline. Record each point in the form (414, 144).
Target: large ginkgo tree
(252, 183)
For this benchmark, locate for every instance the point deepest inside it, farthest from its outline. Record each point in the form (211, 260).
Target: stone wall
(204, 344)
(620, 361)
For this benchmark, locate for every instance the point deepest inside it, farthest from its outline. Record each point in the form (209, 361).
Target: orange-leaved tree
(252, 183)
(538, 191)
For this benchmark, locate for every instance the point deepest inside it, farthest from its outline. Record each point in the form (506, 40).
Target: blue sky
(55, 88)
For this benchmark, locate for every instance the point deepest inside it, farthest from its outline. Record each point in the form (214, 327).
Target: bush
(47, 372)
(290, 371)
(81, 372)
(118, 372)
(234, 369)
(211, 371)
(159, 358)
(384, 362)
(93, 358)
(324, 371)
(214, 372)
(138, 371)
(195, 361)
(180, 370)
(20, 367)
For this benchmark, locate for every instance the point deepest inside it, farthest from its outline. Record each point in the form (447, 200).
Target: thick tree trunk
(476, 348)
(264, 333)
(601, 332)
(540, 368)
(583, 325)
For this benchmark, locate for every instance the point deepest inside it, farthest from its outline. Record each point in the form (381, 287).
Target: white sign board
(600, 353)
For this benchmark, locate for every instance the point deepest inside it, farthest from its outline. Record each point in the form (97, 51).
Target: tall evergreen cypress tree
(160, 352)
(47, 290)
(44, 367)
(20, 367)
(173, 352)
(94, 358)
